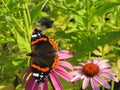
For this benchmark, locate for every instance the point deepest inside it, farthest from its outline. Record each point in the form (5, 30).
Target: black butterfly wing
(42, 56)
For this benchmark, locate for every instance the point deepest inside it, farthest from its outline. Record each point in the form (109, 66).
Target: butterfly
(43, 56)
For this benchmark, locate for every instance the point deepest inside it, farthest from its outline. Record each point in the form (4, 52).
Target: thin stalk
(112, 85)
(27, 21)
(103, 88)
(44, 4)
(28, 13)
(25, 18)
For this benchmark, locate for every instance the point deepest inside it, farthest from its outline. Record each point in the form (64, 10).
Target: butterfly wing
(42, 56)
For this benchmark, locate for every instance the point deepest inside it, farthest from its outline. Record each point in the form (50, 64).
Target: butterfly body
(43, 56)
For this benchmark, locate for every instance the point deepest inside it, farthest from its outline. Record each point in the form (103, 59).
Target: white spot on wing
(36, 74)
(34, 35)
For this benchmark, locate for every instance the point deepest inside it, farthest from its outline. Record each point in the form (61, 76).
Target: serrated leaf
(118, 63)
(98, 53)
(61, 23)
(106, 49)
(100, 48)
(23, 42)
(110, 56)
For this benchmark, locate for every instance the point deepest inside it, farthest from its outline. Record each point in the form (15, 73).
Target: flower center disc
(90, 69)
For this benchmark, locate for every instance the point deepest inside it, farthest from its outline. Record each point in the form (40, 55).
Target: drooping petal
(89, 61)
(107, 75)
(77, 67)
(102, 61)
(64, 54)
(30, 85)
(102, 82)
(63, 73)
(104, 65)
(82, 63)
(66, 64)
(94, 84)
(76, 78)
(55, 81)
(25, 75)
(107, 71)
(64, 51)
(95, 61)
(83, 76)
(44, 86)
(85, 83)
(74, 73)
(35, 86)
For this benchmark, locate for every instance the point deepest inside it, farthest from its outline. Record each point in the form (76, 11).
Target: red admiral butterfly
(43, 56)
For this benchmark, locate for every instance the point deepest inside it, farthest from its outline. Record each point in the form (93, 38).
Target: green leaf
(35, 13)
(23, 42)
(104, 6)
(88, 45)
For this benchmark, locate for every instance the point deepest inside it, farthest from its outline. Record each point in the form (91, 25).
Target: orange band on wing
(53, 44)
(37, 40)
(39, 68)
(55, 63)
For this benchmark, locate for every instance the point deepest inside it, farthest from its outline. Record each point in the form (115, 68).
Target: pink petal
(30, 84)
(74, 73)
(77, 67)
(107, 75)
(95, 61)
(35, 85)
(64, 54)
(82, 63)
(55, 81)
(63, 73)
(66, 64)
(89, 61)
(83, 76)
(102, 81)
(104, 65)
(85, 83)
(64, 51)
(94, 84)
(76, 78)
(107, 71)
(44, 86)
(103, 61)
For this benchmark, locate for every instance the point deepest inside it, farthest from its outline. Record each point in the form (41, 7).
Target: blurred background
(87, 28)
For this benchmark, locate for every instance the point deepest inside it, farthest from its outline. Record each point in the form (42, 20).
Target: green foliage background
(85, 27)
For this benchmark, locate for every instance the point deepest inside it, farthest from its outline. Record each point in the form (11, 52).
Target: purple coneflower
(31, 84)
(94, 72)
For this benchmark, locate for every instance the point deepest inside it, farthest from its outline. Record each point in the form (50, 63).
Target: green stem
(103, 88)
(27, 21)
(112, 85)
(28, 13)
(25, 18)
(44, 4)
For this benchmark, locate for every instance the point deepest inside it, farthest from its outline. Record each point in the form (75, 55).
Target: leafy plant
(80, 26)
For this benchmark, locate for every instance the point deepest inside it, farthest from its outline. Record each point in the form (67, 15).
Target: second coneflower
(94, 72)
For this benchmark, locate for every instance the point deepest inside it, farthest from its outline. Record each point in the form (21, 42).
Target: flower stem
(112, 85)
(103, 88)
